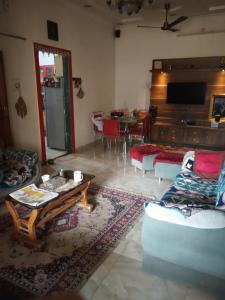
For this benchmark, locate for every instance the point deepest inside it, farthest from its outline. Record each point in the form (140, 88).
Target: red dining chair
(141, 129)
(111, 130)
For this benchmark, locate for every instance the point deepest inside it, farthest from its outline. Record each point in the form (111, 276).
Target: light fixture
(222, 64)
(127, 6)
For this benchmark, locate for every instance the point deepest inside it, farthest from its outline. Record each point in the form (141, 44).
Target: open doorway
(55, 101)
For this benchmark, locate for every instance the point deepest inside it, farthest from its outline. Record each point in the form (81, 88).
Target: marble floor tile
(126, 280)
(95, 280)
(195, 294)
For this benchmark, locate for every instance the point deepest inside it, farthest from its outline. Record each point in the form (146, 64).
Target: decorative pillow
(16, 178)
(188, 162)
(220, 198)
(208, 164)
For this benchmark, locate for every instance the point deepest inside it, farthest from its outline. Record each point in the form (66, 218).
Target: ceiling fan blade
(147, 26)
(177, 21)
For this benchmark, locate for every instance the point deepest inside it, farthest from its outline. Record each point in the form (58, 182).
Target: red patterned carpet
(76, 243)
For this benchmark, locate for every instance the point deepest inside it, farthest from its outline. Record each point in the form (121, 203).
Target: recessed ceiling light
(218, 7)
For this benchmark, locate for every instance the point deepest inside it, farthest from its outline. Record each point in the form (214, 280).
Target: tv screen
(186, 92)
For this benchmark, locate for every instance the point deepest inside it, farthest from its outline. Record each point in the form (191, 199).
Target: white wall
(92, 44)
(137, 47)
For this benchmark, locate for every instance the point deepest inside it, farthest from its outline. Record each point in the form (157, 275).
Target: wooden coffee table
(26, 228)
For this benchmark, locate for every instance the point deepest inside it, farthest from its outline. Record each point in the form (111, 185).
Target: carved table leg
(85, 203)
(25, 229)
(13, 212)
(31, 225)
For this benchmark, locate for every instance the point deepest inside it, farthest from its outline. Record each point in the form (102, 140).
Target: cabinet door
(194, 136)
(167, 134)
(176, 135)
(164, 134)
(216, 137)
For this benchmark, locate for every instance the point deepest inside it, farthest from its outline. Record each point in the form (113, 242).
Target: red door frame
(40, 101)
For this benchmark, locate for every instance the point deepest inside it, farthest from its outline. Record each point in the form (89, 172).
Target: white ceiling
(154, 14)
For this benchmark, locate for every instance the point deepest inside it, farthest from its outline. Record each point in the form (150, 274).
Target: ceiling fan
(166, 25)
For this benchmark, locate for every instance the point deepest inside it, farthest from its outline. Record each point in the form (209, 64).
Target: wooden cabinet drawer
(192, 135)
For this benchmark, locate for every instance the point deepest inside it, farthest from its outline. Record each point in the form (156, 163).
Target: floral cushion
(26, 157)
(17, 167)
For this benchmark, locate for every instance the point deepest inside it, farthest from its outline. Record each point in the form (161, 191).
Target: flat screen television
(186, 92)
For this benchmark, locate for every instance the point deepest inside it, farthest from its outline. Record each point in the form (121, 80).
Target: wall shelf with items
(208, 64)
(188, 70)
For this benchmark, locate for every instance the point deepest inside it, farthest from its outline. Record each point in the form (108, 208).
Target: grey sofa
(183, 235)
(18, 168)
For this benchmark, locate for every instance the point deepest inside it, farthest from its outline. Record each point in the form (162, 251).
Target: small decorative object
(61, 172)
(214, 125)
(217, 118)
(77, 176)
(21, 107)
(217, 107)
(80, 93)
(77, 84)
(45, 177)
(157, 65)
(222, 64)
(51, 161)
(52, 30)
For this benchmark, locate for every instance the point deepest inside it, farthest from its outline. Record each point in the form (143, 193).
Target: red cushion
(140, 151)
(208, 164)
(169, 157)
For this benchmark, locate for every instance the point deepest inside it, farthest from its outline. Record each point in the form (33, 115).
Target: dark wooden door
(5, 132)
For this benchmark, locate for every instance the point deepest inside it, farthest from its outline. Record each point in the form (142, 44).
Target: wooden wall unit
(204, 69)
(197, 136)
(168, 126)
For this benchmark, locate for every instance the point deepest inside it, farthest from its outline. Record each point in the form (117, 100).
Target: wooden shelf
(187, 70)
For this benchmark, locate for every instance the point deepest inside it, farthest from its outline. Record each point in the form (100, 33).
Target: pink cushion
(140, 151)
(208, 164)
(169, 157)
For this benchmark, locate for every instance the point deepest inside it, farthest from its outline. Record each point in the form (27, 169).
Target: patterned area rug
(76, 243)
